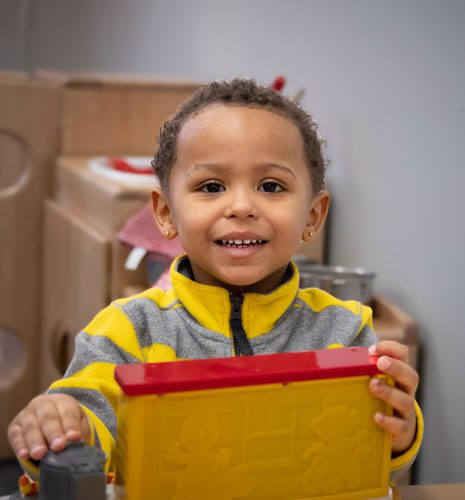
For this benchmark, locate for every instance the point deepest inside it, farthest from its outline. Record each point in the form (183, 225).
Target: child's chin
(244, 284)
(239, 281)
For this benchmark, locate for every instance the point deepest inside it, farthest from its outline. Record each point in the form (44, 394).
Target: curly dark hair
(247, 93)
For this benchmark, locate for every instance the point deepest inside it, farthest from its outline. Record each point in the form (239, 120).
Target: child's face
(240, 177)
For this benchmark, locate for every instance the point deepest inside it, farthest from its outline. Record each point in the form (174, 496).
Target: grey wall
(386, 81)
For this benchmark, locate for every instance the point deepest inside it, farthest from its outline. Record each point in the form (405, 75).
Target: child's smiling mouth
(240, 246)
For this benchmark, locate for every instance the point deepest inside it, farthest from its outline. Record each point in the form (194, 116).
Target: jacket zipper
(241, 344)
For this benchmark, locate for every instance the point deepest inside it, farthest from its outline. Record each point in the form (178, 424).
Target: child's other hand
(48, 421)
(393, 361)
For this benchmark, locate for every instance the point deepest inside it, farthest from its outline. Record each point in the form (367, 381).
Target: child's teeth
(241, 242)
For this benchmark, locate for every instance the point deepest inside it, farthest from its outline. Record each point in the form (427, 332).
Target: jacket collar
(211, 305)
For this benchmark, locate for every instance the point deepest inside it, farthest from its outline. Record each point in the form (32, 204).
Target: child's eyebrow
(218, 168)
(212, 167)
(283, 168)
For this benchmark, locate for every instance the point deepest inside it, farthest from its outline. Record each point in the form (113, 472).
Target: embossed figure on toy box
(196, 451)
(337, 454)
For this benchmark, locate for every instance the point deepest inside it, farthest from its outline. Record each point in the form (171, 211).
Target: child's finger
(50, 423)
(35, 441)
(85, 427)
(394, 425)
(17, 441)
(71, 417)
(390, 348)
(402, 403)
(403, 374)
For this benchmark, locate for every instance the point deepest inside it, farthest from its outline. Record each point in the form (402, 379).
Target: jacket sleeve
(401, 463)
(109, 340)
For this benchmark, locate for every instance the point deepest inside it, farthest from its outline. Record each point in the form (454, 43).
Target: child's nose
(241, 204)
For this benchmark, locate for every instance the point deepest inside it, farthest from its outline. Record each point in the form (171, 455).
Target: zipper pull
(237, 301)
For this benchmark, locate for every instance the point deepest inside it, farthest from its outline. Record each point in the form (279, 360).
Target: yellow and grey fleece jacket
(191, 321)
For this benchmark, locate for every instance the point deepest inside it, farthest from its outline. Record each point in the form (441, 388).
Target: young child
(241, 171)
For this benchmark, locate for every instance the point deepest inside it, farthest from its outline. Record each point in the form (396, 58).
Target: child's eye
(212, 187)
(270, 187)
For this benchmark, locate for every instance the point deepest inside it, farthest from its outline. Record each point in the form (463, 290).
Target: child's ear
(319, 207)
(162, 214)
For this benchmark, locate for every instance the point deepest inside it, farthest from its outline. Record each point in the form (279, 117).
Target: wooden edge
(115, 80)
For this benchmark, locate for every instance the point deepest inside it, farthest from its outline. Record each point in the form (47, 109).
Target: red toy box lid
(193, 375)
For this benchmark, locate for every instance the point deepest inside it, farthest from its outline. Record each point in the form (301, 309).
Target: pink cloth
(140, 231)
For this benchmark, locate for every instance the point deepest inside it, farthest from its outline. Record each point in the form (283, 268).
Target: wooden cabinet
(83, 259)
(83, 264)
(28, 144)
(75, 285)
(114, 114)
(43, 118)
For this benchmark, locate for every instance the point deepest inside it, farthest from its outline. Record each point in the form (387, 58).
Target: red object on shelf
(193, 375)
(278, 83)
(122, 165)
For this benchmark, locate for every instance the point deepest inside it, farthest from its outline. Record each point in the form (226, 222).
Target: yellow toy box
(279, 426)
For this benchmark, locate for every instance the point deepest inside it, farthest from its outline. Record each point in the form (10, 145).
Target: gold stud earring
(311, 234)
(167, 232)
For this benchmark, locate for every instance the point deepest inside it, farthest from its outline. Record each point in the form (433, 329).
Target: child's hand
(48, 421)
(393, 361)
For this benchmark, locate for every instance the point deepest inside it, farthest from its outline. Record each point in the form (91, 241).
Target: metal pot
(342, 282)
